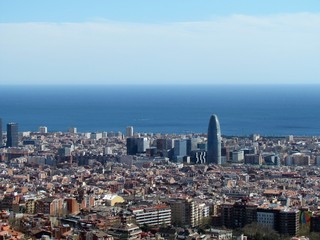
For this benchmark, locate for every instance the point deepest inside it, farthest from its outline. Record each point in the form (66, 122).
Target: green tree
(314, 236)
(257, 231)
(304, 230)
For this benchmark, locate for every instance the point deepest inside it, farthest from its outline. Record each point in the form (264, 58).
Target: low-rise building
(153, 216)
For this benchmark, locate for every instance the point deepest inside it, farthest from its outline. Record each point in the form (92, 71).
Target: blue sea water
(276, 110)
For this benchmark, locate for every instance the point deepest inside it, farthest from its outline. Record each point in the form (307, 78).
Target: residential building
(153, 216)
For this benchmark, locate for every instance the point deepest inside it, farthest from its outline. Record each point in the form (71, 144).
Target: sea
(268, 110)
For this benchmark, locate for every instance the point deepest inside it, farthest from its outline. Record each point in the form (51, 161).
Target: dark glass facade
(214, 141)
(12, 135)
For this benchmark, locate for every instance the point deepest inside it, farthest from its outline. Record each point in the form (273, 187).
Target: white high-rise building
(107, 150)
(129, 131)
(237, 156)
(142, 144)
(96, 135)
(73, 130)
(43, 129)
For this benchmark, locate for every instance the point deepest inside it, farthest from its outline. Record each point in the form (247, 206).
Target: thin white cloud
(234, 49)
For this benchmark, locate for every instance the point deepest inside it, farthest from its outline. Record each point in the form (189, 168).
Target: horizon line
(157, 84)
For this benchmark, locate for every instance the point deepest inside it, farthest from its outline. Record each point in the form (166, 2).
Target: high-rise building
(73, 130)
(43, 129)
(192, 145)
(239, 214)
(137, 145)
(96, 135)
(132, 147)
(186, 212)
(180, 147)
(237, 156)
(268, 217)
(255, 159)
(1, 132)
(12, 135)
(129, 131)
(214, 141)
(289, 222)
(164, 146)
(142, 144)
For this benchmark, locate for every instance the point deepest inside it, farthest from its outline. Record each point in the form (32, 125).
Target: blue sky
(159, 42)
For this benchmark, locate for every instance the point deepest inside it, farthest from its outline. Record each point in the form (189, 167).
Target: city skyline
(103, 43)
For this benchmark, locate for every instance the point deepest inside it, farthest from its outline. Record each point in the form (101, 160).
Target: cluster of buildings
(63, 185)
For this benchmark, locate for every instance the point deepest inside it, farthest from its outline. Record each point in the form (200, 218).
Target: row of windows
(155, 222)
(152, 213)
(155, 218)
(152, 216)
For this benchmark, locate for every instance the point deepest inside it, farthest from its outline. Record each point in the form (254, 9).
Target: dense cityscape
(105, 185)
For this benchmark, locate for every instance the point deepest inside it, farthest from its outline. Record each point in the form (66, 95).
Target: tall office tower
(142, 144)
(180, 148)
(0, 132)
(214, 141)
(12, 135)
(132, 146)
(129, 131)
(192, 144)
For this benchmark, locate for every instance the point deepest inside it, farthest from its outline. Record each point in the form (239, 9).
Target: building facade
(129, 131)
(315, 223)
(289, 222)
(43, 129)
(153, 216)
(12, 135)
(238, 215)
(214, 141)
(180, 149)
(186, 212)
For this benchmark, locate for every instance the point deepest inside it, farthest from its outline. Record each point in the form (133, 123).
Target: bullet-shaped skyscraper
(214, 141)
(12, 135)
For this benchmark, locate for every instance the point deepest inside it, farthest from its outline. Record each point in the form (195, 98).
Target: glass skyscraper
(12, 135)
(214, 141)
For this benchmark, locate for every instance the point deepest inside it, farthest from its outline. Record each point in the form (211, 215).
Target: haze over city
(167, 42)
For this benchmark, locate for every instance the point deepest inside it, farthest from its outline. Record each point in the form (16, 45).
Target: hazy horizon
(154, 84)
(167, 42)
(242, 109)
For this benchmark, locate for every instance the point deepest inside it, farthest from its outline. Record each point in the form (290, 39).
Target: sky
(159, 42)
